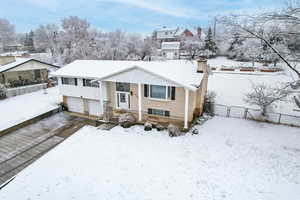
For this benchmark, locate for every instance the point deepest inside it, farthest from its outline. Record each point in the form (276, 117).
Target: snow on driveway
(231, 159)
(231, 89)
(18, 109)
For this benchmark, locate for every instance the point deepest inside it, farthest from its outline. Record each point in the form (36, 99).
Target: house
(12, 47)
(170, 50)
(171, 39)
(163, 91)
(166, 34)
(16, 72)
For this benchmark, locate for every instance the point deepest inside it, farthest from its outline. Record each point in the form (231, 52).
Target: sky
(138, 16)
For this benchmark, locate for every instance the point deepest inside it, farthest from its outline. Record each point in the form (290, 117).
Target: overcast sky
(140, 16)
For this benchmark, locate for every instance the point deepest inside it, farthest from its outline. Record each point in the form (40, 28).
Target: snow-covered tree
(210, 45)
(75, 39)
(47, 38)
(7, 33)
(193, 47)
(265, 96)
(29, 41)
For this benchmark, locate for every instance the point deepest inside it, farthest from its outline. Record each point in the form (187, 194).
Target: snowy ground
(222, 61)
(223, 162)
(231, 89)
(18, 109)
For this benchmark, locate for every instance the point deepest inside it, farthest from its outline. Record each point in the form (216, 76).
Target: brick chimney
(199, 32)
(202, 65)
(7, 59)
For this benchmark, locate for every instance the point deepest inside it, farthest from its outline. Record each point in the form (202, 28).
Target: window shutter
(167, 113)
(173, 93)
(75, 81)
(146, 91)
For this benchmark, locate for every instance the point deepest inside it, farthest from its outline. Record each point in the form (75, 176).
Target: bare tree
(7, 33)
(264, 96)
(47, 38)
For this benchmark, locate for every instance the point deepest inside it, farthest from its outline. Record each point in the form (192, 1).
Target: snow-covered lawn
(231, 89)
(18, 109)
(231, 159)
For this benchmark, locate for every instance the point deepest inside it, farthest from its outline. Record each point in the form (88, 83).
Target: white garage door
(75, 104)
(95, 107)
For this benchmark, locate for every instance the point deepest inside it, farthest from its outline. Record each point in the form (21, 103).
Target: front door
(123, 100)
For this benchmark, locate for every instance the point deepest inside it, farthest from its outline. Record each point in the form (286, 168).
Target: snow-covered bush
(209, 102)
(159, 127)
(126, 120)
(147, 126)
(173, 130)
(194, 131)
(2, 91)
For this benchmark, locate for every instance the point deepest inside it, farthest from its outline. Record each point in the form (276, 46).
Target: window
(159, 112)
(159, 92)
(90, 83)
(69, 81)
(122, 87)
(37, 74)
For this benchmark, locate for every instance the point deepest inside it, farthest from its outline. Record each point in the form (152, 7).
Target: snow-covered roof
(166, 28)
(170, 45)
(19, 61)
(11, 65)
(181, 72)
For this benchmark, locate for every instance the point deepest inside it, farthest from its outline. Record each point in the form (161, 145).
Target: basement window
(153, 111)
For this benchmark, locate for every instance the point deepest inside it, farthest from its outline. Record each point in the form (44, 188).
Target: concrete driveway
(22, 147)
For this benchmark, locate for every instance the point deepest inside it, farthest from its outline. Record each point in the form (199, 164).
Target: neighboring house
(12, 47)
(170, 40)
(16, 72)
(166, 34)
(164, 91)
(170, 50)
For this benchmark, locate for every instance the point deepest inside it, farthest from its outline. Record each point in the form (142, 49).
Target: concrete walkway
(22, 147)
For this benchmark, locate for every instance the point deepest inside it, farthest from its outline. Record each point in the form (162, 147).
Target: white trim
(101, 95)
(140, 101)
(128, 100)
(186, 108)
(158, 99)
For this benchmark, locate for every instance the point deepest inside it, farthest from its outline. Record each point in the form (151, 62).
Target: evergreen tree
(28, 43)
(210, 44)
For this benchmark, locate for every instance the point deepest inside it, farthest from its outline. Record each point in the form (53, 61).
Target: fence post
(246, 112)
(228, 112)
(279, 118)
